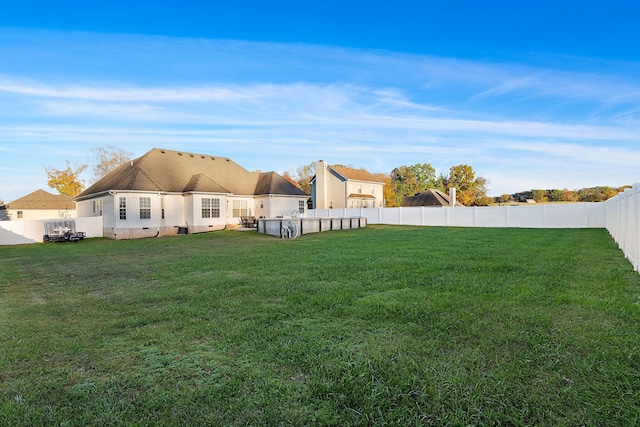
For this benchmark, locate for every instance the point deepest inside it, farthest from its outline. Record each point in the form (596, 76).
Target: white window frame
(205, 205)
(145, 207)
(210, 207)
(97, 207)
(215, 208)
(240, 208)
(122, 206)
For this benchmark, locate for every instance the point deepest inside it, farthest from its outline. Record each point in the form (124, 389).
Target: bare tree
(107, 159)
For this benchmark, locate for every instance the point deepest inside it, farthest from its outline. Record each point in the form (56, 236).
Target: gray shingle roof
(428, 198)
(43, 200)
(179, 172)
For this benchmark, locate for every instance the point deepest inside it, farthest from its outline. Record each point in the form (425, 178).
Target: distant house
(168, 192)
(40, 205)
(431, 197)
(344, 187)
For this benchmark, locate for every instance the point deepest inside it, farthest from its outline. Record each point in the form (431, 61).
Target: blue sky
(531, 94)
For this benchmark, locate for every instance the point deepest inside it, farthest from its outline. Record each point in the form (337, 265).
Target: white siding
(35, 214)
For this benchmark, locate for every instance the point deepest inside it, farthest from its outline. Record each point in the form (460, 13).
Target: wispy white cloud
(184, 94)
(281, 105)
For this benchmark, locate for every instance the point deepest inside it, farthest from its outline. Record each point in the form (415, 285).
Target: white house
(344, 187)
(168, 192)
(40, 205)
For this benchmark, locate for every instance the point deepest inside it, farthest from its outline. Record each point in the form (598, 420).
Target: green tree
(540, 196)
(66, 181)
(470, 190)
(107, 159)
(556, 195)
(411, 180)
(596, 194)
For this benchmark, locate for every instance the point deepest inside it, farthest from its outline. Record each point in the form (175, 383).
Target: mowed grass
(377, 326)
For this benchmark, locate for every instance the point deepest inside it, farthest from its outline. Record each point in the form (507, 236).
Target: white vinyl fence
(31, 231)
(572, 215)
(623, 223)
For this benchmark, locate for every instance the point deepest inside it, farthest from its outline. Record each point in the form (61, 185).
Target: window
(330, 205)
(123, 207)
(206, 208)
(210, 208)
(215, 208)
(372, 189)
(145, 207)
(19, 214)
(359, 188)
(301, 206)
(162, 207)
(239, 208)
(97, 207)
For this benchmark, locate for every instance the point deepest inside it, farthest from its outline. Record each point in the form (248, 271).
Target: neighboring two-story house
(335, 187)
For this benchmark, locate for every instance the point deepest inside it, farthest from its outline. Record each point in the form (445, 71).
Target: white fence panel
(459, 217)
(411, 216)
(31, 231)
(388, 216)
(574, 215)
(435, 217)
(623, 223)
(15, 233)
(490, 217)
(525, 216)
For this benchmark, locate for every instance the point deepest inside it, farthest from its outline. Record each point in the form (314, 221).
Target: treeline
(591, 194)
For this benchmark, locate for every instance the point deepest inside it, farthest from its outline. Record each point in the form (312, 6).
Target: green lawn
(376, 326)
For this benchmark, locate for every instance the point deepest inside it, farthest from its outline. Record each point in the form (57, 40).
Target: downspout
(115, 214)
(226, 220)
(346, 195)
(159, 216)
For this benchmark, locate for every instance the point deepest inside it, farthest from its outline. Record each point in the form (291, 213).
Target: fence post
(507, 212)
(636, 211)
